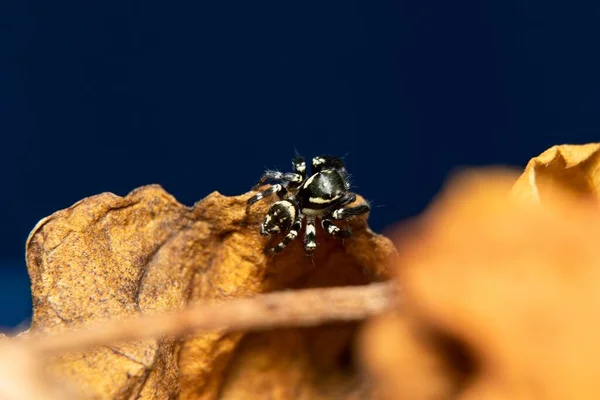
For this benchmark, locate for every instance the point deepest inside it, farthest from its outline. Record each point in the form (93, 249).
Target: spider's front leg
(277, 188)
(291, 177)
(291, 235)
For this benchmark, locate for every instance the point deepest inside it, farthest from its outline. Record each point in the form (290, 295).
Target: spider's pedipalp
(310, 235)
(334, 230)
(299, 166)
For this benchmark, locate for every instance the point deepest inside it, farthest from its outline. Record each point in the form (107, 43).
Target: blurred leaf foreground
(499, 281)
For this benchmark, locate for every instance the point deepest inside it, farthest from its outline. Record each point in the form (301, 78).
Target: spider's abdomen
(322, 190)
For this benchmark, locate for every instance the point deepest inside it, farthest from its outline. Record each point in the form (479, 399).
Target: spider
(324, 194)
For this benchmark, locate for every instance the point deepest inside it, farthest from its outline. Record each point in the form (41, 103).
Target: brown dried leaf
(575, 168)
(109, 256)
(498, 295)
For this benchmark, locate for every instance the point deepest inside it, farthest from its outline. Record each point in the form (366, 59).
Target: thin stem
(304, 307)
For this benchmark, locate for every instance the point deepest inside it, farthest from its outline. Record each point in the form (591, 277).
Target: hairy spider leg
(291, 177)
(348, 198)
(310, 235)
(333, 230)
(291, 235)
(350, 212)
(277, 188)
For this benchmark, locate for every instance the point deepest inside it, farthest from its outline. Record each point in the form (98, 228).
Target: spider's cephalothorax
(324, 194)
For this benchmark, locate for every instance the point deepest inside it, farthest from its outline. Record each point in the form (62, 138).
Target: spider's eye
(279, 218)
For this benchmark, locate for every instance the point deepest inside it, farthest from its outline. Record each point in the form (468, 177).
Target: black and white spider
(324, 194)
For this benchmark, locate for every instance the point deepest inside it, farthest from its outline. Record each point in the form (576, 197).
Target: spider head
(279, 218)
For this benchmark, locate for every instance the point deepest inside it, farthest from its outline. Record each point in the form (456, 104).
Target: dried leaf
(575, 168)
(498, 296)
(109, 256)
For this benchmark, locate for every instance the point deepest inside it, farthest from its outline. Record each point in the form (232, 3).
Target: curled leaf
(575, 168)
(109, 256)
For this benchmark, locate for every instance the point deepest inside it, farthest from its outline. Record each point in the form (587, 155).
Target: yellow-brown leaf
(109, 256)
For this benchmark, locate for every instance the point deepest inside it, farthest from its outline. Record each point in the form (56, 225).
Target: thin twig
(288, 308)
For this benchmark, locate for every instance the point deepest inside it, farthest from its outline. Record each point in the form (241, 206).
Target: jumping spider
(324, 194)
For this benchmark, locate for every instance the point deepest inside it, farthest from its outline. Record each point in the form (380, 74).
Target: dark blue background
(202, 96)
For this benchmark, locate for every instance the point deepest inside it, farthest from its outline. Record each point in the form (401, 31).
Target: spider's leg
(299, 166)
(310, 235)
(351, 212)
(291, 235)
(277, 188)
(326, 162)
(348, 198)
(291, 177)
(333, 230)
